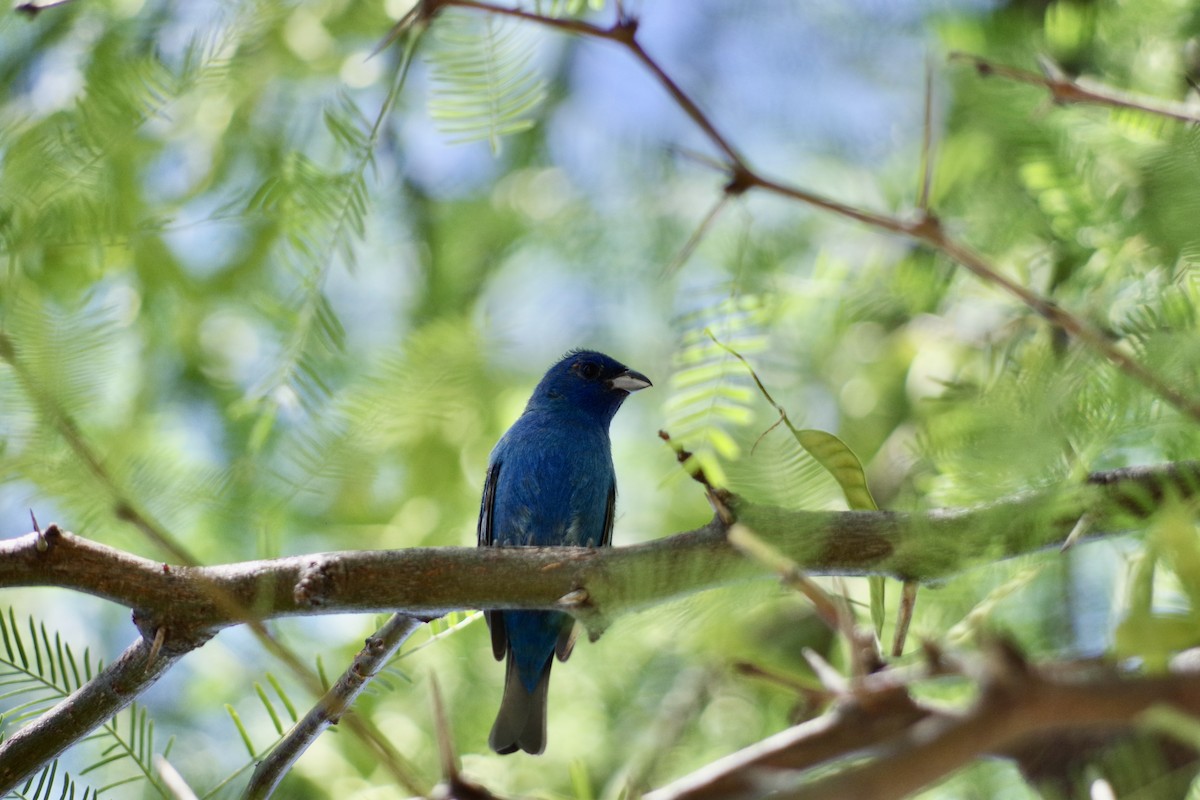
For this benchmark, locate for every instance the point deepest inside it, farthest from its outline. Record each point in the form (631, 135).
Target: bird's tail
(521, 721)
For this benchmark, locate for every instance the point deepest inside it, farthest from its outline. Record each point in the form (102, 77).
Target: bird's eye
(589, 370)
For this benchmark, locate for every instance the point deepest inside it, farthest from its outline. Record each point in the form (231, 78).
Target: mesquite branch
(1065, 90)
(332, 705)
(594, 585)
(179, 608)
(913, 743)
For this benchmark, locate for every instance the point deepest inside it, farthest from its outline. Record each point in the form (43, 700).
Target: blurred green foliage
(244, 295)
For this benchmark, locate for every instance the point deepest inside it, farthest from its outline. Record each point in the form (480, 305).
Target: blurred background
(291, 294)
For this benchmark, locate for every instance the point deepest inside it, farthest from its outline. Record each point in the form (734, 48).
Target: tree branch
(1067, 91)
(748, 773)
(1017, 702)
(178, 608)
(595, 585)
(914, 745)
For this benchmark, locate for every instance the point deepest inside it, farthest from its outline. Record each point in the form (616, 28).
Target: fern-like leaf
(48, 784)
(38, 669)
(323, 213)
(485, 84)
(711, 398)
(432, 383)
(277, 721)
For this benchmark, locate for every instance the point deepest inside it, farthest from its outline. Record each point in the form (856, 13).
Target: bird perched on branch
(550, 481)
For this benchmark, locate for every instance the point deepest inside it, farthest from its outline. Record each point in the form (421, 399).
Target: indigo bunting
(550, 481)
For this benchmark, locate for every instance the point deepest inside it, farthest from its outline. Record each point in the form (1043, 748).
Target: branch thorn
(624, 30)
(1078, 532)
(160, 636)
(575, 598)
(718, 498)
(42, 544)
(829, 677)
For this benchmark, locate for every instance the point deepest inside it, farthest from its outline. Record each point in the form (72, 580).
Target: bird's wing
(484, 530)
(610, 509)
(495, 623)
(486, 537)
(566, 640)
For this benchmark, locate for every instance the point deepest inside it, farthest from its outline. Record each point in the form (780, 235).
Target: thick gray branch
(595, 585)
(179, 607)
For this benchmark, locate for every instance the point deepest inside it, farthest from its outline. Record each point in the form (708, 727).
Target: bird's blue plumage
(550, 482)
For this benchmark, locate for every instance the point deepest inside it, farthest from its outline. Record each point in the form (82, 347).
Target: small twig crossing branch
(718, 498)
(329, 709)
(1065, 90)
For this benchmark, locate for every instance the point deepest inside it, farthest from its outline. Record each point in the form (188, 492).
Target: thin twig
(930, 232)
(677, 713)
(623, 32)
(35, 7)
(927, 142)
(172, 780)
(378, 649)
(66, 426)
(718, 498)
(812, 695)
(1066, 90)
(697, 236)
(904, 615)
(831, 609)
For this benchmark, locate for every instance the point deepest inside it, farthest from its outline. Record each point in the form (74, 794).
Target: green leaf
(283, 697)
(581, 784)
(828, 450)
(241, 729)
(708, 400)
(35, 684)
(266, 703)
(841, 462)
(485, 85)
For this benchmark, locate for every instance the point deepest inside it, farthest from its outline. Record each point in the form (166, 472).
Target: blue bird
(550, 481)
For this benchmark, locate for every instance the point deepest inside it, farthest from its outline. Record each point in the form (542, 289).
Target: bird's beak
(629, 381)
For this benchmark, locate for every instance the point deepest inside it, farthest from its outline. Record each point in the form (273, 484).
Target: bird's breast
(553, 486)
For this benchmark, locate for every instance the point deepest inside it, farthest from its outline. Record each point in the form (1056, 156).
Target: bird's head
(590, 382)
